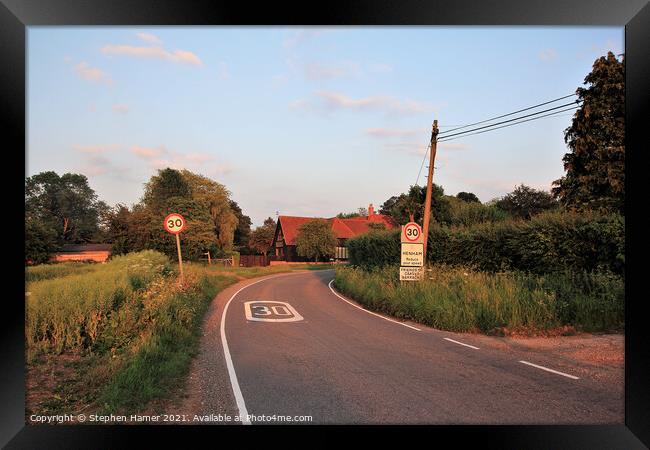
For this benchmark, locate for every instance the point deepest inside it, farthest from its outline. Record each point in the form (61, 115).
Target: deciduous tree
(315, 240)
(262, 237)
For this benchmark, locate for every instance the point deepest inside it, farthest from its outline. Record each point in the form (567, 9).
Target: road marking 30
(271, 311)
(370, 312)
(550, 370)
(460, 343)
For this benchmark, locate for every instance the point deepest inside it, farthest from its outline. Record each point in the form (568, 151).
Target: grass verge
(457, 299)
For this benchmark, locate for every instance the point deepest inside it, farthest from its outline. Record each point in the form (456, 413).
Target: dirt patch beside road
(601, 356)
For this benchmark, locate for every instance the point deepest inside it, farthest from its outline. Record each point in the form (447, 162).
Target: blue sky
(304, 121)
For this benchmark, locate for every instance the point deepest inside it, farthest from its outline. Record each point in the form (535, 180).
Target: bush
(549, 242)
(375, 249)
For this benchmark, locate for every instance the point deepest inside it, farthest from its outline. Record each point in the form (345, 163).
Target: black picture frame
(16, 15)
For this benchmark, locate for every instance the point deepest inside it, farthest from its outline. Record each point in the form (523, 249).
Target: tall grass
(48, 271)
(457, 299)
(74, 312)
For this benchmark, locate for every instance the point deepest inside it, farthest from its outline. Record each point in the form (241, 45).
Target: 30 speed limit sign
(174, 223)
(412, 234)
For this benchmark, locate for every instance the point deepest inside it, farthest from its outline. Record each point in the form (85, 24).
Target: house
(286, 230)
(83, 252)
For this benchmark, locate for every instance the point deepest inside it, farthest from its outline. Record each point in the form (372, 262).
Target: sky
(302, 121)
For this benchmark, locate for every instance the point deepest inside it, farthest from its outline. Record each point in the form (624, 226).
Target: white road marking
(370, 312)
(290, 311)
(550, 370)
(239, 398)
(460, 343)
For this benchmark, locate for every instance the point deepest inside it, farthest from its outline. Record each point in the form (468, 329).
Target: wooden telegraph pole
(427, 201)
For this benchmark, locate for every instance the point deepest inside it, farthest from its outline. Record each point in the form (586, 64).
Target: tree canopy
(316, 240)
(595, 163)
(468, 197)
(524, 202)
(204, 203)
(59, 210)
(261, 238)
(402, 206)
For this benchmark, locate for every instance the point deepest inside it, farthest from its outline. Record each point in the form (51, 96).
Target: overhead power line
(426, 152)
(506, 115)
(511, 120)
(555, 113)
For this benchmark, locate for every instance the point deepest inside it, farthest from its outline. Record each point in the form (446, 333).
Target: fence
(253, 260)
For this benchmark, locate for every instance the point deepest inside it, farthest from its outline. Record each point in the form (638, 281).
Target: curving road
(341, 364)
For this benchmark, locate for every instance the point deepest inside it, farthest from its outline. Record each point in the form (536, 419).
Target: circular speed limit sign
(412, 232)
(174, 223)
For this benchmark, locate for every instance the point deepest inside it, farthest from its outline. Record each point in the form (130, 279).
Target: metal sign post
(174, 224)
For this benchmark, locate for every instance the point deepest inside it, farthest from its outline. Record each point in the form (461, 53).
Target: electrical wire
(556, 113)
(509, 114)
(512, 120)
(422, 165)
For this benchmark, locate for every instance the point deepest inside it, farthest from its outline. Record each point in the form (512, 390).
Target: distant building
(83, 252)
(286, 230)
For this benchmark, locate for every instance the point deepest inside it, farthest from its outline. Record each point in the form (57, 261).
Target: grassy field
(111, 337)
(457, 299)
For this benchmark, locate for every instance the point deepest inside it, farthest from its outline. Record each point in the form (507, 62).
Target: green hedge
(550, 242)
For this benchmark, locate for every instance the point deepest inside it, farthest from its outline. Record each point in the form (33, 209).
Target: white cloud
(149, 38)
(153, 52)
(121, 109)
(446, 146)
(299, 37)
(548, 55)
(160, 157)
(92, 74)
(96, 149)
(317, 71)
(331, 101)
(147, 152)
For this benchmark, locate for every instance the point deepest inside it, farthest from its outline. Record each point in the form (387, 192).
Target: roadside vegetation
(120, 334)
(458, 299)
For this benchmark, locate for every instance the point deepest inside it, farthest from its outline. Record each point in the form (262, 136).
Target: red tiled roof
(342, 228)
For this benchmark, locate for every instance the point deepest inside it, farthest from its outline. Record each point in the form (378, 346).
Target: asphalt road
(340, 364)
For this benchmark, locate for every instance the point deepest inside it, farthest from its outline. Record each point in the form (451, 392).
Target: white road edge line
(460, 343)
(369, 312)
(550, 370)
(239, 398)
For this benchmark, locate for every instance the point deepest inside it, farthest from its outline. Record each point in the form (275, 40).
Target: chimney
(371, 211)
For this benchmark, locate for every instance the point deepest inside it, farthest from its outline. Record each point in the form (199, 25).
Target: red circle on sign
(417, 227)
(172, 224)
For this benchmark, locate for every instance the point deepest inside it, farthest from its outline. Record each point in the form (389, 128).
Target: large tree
(595, 163)
(524, 202)
(262, 237)
(214, 198)
(316, 240)
(166, 184)
(204, 203)
(65, 204)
